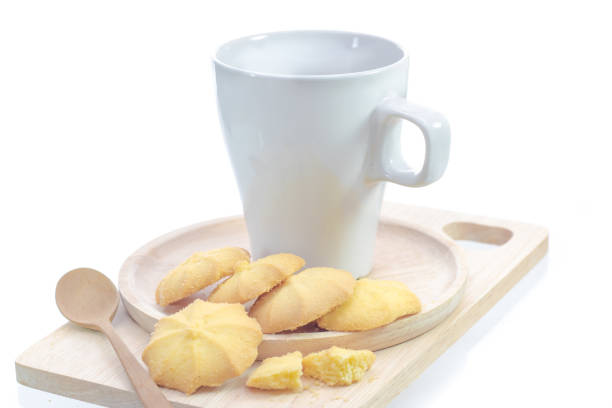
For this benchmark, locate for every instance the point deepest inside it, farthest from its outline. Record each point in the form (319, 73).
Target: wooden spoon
(88, 298)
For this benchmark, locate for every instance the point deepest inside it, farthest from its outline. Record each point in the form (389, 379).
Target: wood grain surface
(80, 363)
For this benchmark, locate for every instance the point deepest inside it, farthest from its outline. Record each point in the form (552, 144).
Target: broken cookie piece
(338, 366)
(278, 373)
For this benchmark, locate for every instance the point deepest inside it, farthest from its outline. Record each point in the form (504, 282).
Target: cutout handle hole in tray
(477, 236)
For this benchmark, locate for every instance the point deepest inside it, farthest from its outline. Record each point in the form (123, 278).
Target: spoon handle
(148, 392)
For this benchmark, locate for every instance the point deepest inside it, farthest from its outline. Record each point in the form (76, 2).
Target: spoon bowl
(87, 297)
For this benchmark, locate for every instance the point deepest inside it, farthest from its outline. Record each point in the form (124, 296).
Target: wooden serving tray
(80, 363)
(430, 263)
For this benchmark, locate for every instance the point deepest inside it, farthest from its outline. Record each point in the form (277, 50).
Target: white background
(109, 137)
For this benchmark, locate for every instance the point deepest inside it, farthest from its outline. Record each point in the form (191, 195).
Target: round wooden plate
(428, 262)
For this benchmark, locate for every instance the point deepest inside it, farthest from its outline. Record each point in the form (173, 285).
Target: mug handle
(386, 162)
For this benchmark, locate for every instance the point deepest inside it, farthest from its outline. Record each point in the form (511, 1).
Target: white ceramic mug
(312, 125)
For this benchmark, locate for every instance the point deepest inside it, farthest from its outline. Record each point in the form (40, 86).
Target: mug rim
(356, 74)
